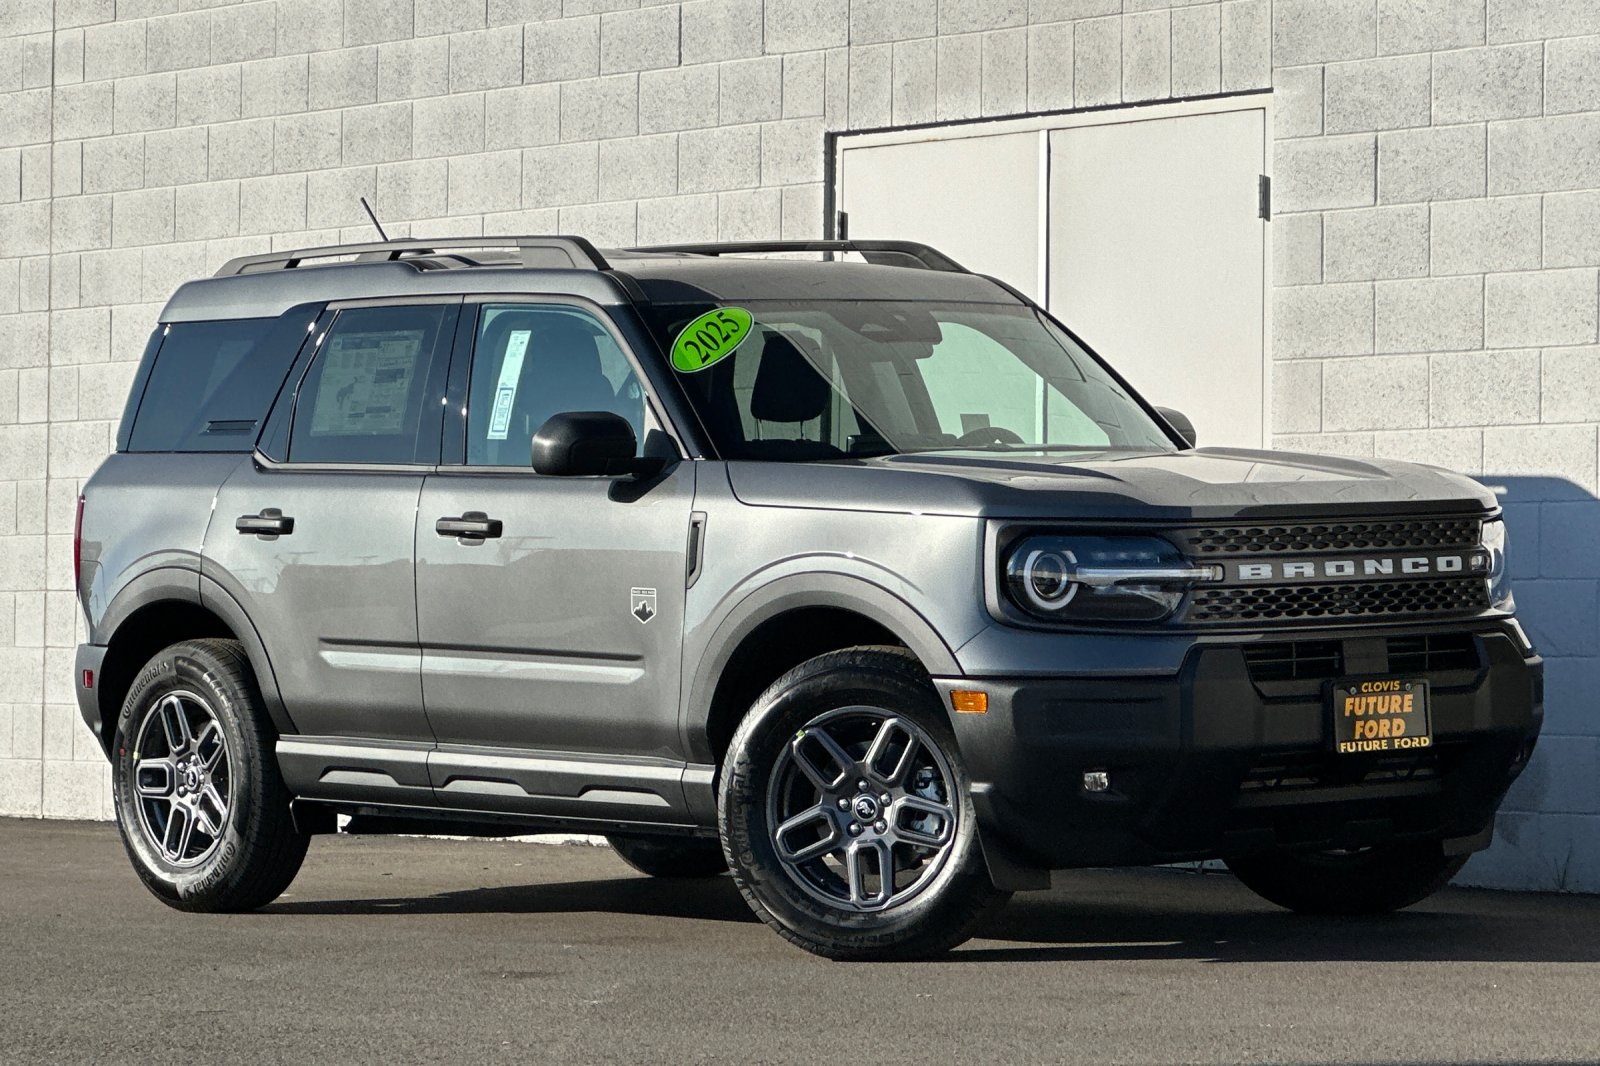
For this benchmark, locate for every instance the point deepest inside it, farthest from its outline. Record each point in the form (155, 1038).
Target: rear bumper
(87, 666)
(1213, 762)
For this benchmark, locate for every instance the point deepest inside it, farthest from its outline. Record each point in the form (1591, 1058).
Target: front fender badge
(642, 604)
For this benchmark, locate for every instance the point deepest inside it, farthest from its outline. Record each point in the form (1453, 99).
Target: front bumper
(1216, 760)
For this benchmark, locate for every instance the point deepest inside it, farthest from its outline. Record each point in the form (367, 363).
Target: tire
(1374, 880)
(677, 857)
(194, 747)
(870, 707)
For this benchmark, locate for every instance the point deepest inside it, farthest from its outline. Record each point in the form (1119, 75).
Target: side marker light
(969, 701)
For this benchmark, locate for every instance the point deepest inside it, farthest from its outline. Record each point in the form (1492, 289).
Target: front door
(550, 609)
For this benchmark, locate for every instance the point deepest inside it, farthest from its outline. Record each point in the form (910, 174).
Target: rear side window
(210, 387)
(362, 401)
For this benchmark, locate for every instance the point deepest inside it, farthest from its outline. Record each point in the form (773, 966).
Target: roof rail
(884, 253)
(535, 251)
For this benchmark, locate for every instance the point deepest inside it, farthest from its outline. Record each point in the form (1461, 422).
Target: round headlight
(1047, 578)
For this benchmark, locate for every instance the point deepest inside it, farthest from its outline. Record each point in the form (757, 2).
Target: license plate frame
(1365, 714)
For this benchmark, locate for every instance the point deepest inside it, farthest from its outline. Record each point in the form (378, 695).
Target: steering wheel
(988, 435)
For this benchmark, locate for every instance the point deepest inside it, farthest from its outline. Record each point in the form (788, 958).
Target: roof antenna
(375, 223)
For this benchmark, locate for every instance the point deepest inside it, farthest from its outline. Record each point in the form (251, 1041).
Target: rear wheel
(1373, 880)
(202, 810)
(670, 856)
(845, 812)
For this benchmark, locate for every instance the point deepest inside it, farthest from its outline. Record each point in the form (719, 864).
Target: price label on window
(710, 337)
(505, 392)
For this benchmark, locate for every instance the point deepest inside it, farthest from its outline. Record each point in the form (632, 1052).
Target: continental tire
(1367, 881)
(674, 857)
(202, 810)
(846, 768)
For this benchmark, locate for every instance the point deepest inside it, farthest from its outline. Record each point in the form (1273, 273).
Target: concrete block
(836, 88)
(1097, 62)
(174, 42)
(1484, 388)
(272, 204)
(1545, 154)
(600, 108)
(1542, 451)
(411, 69)
(915, 69)
(893, 20)
(333, 197)
(1296, 396)
(59, 721)
(112, 164)
(971, 16)
(80, 335)
(680, 99)
(378, 134)
(1482, 236)
(506, 12)
(638, 167)
(751, 90)
(804, 84)
(80, 111)
(431, 17)
(522, 117)
(1323, 31)
(63, 270)
(1297, 100)
(447, 125)
(1549, 307)
(208, 95)
(307, 142)
(176, 156)
(1375, 242)
(277, 86)
(749, 215)
(646, 39)
(606, 224)
(22, 783)
(1567, 531)
(241, 149)
(143, 217)
(73, 789)
(486, 59)
(36, 178)
(1428, 25)
(66, 168)
(1321, 320)
(1377, 94)
(560, 175)
(1534, 20)
(243, 32)
(84, 12)
(112, 276)
(207, 211)
(872, 86)
(678, 219)
(68, 60)
(958, 90)
(347, 77)
(802, 212)
(806, 25)
(1559, 615)
(163, 269)
(22, 568)
(1374, 393)
(791, 152)
(1324, 173)
(1445, 163)
(1571, 75)
(1146, 56)
(24, 342)
(1428, 315)
(1005, 72)
(717, 30)
(1196, 50)
(1296, 249)
(1570, 685)
(1570, 384)
(307, 25)
(712, 160)
(374, 21)
(146, 103)
(62, 400)
(1460, 450)
(491, 181)
(1481, 84)
(1049, 67)
(416, 189)
(114, 50)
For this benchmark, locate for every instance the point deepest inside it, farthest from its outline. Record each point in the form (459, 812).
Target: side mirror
(1180, 422)
(589, 444)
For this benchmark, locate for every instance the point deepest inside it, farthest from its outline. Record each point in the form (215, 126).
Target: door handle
(271, 522)
(474, 525)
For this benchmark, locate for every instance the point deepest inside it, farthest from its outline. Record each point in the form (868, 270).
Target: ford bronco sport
(831, 564)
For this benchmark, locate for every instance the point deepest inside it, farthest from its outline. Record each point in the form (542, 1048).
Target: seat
(561, 371)
(788, 389)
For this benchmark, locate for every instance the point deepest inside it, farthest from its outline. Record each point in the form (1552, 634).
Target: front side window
(364, 400)
(532, 361)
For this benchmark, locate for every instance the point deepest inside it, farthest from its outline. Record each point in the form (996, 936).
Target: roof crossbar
(558, 252)
(886, 253)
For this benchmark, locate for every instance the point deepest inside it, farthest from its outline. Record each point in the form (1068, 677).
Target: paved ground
(439, 951)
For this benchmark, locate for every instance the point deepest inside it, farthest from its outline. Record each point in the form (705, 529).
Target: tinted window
(531, 362)
(211, 385)
(364, 398)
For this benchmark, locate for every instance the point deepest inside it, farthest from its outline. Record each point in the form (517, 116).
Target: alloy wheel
(182, 778)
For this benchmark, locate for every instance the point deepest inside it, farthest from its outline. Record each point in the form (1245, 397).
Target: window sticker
(505, 393)
(366, 379)
(709, 338)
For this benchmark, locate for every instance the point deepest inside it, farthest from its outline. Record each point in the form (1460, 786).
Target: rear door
(551, 641)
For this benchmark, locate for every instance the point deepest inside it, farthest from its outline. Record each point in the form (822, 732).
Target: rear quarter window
(210, 387)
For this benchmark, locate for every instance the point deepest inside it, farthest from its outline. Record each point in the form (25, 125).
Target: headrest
(787, 386)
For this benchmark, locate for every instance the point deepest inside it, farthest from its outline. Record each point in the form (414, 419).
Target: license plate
(1379, 715)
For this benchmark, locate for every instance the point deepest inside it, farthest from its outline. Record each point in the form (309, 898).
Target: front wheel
(845, 812)
(1373, 880)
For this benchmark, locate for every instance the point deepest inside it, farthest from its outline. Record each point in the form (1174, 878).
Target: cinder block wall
(1435, 252)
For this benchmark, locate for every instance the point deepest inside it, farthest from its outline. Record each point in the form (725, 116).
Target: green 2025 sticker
(709, 338)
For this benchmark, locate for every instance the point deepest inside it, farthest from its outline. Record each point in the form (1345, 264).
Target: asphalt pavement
(406, 950)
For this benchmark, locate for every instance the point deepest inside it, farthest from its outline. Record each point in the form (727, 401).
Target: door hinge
(1264, 197)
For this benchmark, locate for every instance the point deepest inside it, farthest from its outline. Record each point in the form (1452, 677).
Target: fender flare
(220, 601)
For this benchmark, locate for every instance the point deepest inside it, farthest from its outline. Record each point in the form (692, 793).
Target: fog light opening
(1097, 781)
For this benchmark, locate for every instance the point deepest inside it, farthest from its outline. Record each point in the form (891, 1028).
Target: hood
(1204, 484)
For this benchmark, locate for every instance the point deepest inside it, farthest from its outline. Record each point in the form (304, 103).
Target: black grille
(1433, 652)
(1291, 772)
(1299, 660)
(1351, 600)
(1384, 535)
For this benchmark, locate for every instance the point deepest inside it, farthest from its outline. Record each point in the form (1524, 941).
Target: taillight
(77, 546)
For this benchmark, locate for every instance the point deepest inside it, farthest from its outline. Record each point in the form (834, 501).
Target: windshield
(830, 379)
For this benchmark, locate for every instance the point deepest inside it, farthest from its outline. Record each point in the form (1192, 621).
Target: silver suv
(829, 564)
